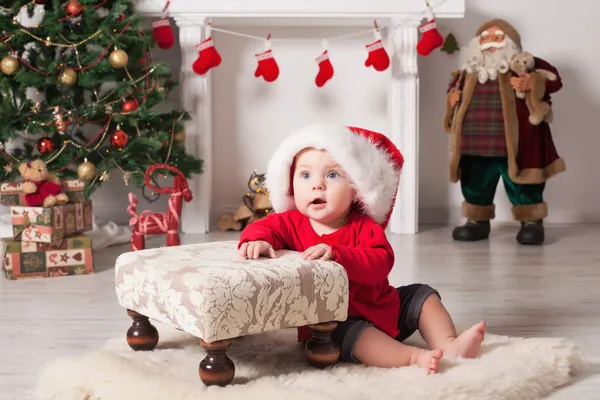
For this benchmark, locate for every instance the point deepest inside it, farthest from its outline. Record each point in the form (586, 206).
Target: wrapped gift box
(11, 193)
(51, 224)
(72, 256)
(74, 189)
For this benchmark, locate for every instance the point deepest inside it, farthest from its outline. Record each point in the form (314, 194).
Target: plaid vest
(483, 125)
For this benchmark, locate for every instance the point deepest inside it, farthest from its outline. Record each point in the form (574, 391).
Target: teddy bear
(539, 110)
(40, 187)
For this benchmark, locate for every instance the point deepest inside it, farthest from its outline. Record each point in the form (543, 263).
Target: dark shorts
(412, 298)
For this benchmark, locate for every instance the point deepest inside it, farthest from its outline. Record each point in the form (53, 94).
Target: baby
(333, 190)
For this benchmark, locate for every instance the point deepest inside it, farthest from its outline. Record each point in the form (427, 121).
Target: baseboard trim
(453, 216)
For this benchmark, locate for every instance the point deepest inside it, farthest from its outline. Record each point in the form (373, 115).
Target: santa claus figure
(492, 136)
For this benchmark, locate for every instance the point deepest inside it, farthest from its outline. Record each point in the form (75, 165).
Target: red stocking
(431, 39)
(163, 33)
(378, 57)
(325, 69)
(208, 57)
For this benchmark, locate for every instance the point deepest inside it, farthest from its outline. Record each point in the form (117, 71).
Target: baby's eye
(333, 175)
(305, 175)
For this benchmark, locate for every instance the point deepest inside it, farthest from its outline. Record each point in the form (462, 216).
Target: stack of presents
(47, 240)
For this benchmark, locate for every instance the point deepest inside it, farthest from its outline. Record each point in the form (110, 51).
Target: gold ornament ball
(118, 59)
(68, 77)
(86, 170)
(9, 65)
(179, 137)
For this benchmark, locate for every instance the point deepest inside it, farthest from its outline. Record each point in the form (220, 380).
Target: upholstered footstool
(205, 290)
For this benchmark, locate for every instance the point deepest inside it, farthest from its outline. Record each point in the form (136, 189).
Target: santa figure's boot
(531, 232)
(531, 217)
(477, 226)
(472, 231)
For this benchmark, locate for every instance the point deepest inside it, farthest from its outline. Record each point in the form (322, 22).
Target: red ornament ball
(129, 106)
(74, 7)
(119, 139)
(40, 1)
(45, 145)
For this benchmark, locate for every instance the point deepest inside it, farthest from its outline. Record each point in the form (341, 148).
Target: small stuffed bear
(538, 110)
(40, 188)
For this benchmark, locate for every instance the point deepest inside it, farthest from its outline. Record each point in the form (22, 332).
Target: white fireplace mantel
(403, 16)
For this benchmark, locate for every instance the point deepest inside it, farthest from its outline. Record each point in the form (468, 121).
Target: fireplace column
(403, 115)
(196, 99)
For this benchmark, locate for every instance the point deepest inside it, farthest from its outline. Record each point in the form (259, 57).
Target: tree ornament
(129, 106)
(8, 168)
(118, 58)
(74, 7)
(119, 139)
(179, 137)
(40, 1)
(68, 77)
(45, 145)
(86, 170)
(59, 120)
(9, 65)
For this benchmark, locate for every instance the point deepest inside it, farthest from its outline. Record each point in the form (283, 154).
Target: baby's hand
(322, 251)
(255, 249)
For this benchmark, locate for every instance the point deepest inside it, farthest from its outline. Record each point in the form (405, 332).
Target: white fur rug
(272, 366)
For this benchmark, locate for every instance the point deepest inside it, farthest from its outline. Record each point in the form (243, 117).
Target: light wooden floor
(552, 290)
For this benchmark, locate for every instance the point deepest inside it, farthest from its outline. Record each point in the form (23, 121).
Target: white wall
(251, 117)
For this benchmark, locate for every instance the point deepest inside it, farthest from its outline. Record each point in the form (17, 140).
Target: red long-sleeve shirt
(360, 246)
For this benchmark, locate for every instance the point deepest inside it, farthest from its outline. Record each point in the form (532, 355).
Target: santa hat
(371, 160)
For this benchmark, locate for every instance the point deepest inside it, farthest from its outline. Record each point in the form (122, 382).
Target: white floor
(553, 290)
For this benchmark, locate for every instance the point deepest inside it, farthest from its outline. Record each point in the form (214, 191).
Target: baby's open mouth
(318, 201)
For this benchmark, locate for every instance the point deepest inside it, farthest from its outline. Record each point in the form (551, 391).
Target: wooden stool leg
(216, 368)
(321, 350)
(141, 335)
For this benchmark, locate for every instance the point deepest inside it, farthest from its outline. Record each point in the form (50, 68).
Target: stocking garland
(431, 39)
(378, 58)
(325, 68)
(267, 66)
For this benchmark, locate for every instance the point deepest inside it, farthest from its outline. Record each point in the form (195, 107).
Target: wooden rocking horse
(151, 223)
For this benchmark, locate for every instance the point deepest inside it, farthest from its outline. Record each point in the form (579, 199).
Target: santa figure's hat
(371, 160)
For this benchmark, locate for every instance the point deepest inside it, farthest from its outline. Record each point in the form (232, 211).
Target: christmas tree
(79, 90)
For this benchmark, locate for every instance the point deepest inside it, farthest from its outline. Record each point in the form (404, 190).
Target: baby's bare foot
(430, 360)
(467, 344)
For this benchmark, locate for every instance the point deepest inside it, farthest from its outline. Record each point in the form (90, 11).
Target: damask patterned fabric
(205, 290)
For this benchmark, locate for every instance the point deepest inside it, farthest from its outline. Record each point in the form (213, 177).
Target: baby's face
(322, 190)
